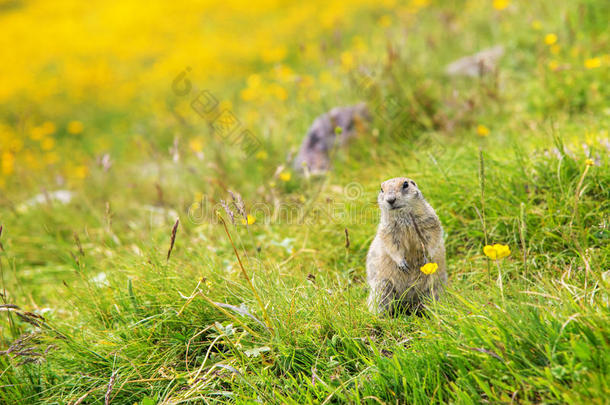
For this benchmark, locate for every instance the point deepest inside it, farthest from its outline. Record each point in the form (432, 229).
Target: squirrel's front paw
(404, 266)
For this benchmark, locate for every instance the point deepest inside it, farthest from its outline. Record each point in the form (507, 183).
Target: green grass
(541, 335)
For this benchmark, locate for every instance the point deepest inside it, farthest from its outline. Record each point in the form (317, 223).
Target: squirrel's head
(398, 194)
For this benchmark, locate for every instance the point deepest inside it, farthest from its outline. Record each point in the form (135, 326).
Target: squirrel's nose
(391, 200)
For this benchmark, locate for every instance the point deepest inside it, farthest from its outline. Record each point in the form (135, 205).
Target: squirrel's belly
(412, 282)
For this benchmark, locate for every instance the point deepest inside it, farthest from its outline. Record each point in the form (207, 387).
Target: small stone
(335, 127)
(479, 64)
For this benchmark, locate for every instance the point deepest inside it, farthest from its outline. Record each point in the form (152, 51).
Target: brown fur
(396, 254)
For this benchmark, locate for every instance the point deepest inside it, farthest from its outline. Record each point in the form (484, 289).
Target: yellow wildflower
(47, 143)
(420, 3)
(48, 127)
(553, 65)
(262, 155)
(496, 251)
(80, 172)
(250, 221)
(501, 4)
(51, 158)
(490, 252)
(254, 80)
(31, 160)
(358, 44)
(307, 81)
(225, 105)
(273, 54)
(75, 127)
(550, 39)
(278, 91)
(385, 21)
(482, 130)
(347, 60)
(283, 73)
(537, 25)
(248, 94)
(198, 196)
(37, 133)
(593, 63)
(193, 208)
(8, 163)
(285, 176)
(503, 250)
(589, 162)
(15, 144)
(429, 268)
(196, 144)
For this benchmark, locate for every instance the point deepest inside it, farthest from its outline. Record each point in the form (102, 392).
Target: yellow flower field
(75, 60)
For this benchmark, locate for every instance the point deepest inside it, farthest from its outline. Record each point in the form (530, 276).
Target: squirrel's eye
(405, 185)
(381, 190)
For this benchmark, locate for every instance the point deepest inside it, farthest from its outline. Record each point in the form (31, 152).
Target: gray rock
(478, 64)
(321, 137)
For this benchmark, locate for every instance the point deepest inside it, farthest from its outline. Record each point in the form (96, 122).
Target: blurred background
(83, 80)
(84, 86)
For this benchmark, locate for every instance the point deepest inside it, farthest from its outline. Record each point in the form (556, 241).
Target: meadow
(148, 256)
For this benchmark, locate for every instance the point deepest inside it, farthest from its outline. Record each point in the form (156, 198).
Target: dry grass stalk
(79, 245)
(159, 194)
(83, 397)
(108, 216)
(25, 349)
(522, 235)
(173, 239)
(482, 213)
(227, 209)
(239, 204)
(245, 274)
(109, 389)
(31, 318)
(577, 196)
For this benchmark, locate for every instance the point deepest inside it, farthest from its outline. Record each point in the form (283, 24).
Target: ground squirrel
(409, 235)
